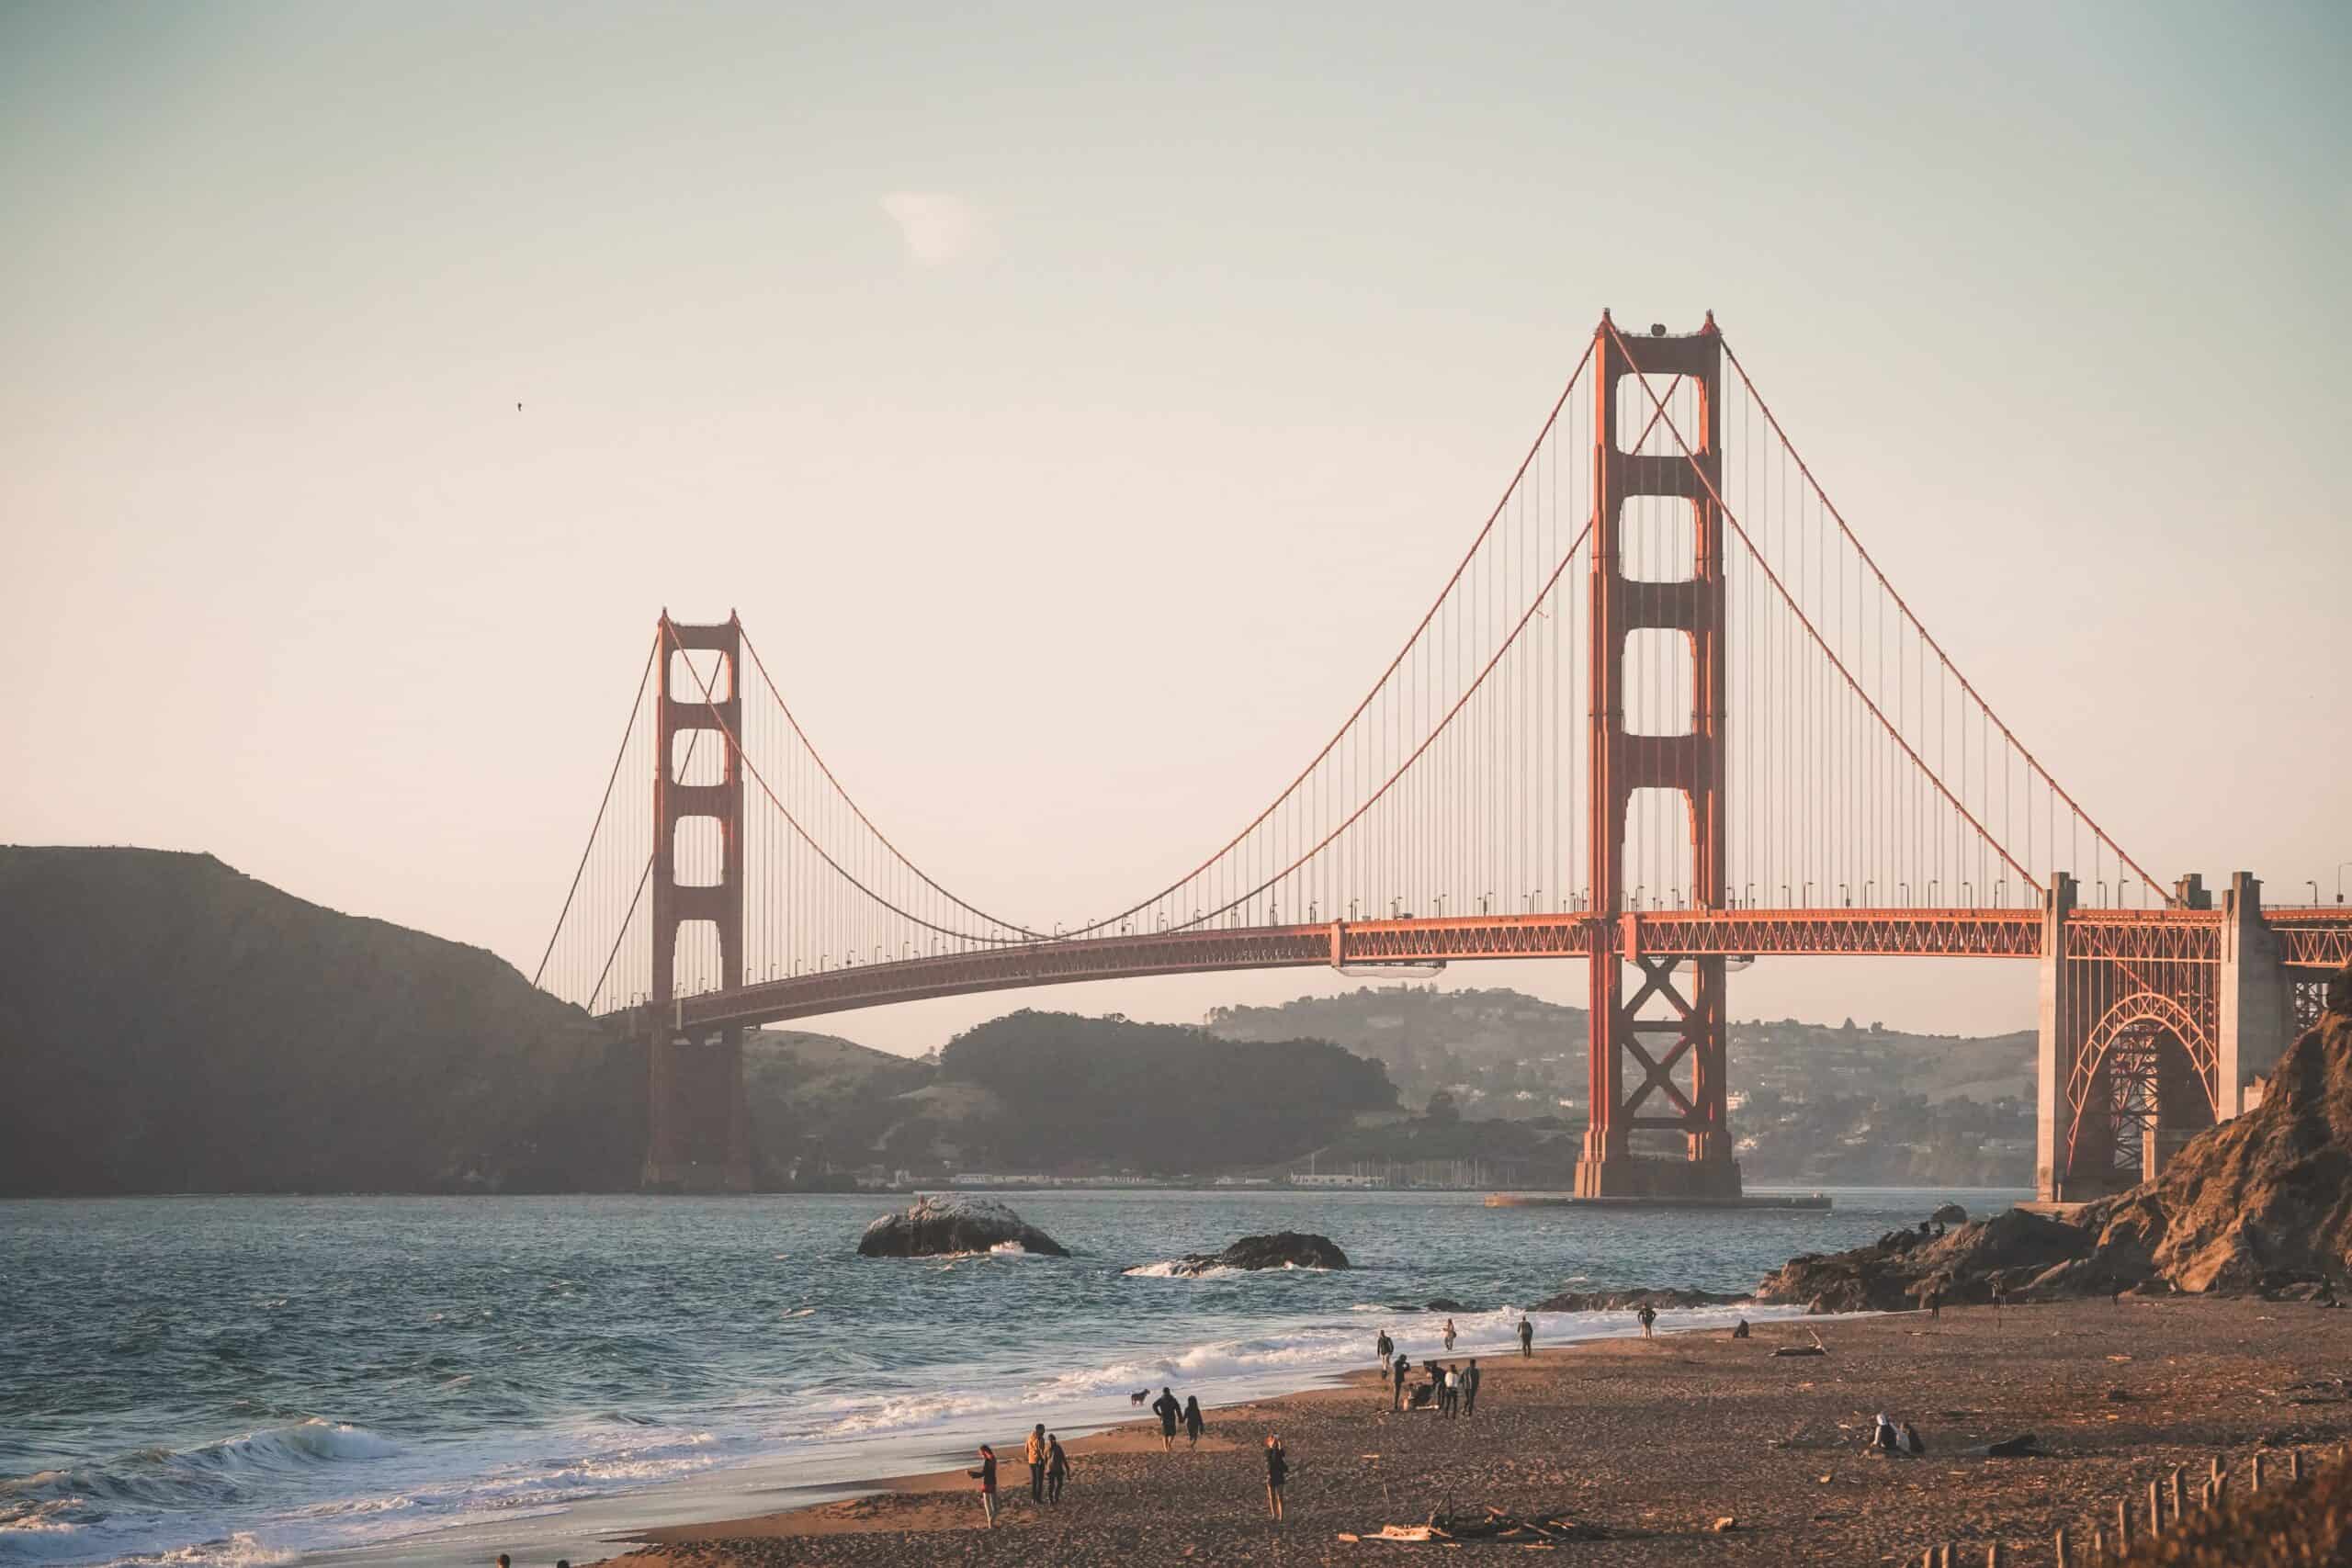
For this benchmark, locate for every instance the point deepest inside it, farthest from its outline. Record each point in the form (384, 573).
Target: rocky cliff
(2261, 1203)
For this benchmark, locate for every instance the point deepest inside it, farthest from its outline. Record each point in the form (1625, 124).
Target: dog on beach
(1139, 1396)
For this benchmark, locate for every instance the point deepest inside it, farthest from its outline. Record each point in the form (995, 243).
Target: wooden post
(2176, 1495)
(2155, 1509)
(2098, 1543)
(2294, 1464)
(2060, 1541)
(2257, 1470)
(1993, 1555)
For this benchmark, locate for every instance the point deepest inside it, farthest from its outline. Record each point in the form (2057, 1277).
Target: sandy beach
(1657, 1441)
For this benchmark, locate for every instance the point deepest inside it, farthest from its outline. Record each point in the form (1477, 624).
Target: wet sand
(1657, 1441)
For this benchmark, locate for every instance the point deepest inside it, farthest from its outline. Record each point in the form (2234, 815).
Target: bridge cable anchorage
(851, 801)
(1381, 685)
(619, 755)
(1861, 550)
(718, 722)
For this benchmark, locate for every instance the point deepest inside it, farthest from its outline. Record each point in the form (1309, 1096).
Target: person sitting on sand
(1034, 1453)
(1449, 1337)
(1648, 1319)
(1192, 1422)
(1526, 1336)
(1168, 1410)
(1883, 1437)
(1397, 1377)
(1470, 1386)
(1912, 1442)
(986, 1476)
(1277, 1471)
(1057, 1469)
(1739, 1329)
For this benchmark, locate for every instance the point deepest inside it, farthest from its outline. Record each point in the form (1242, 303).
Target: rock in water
(1626, 1301)
(953, 1223)
(1950, 1215)
(1285, 1249)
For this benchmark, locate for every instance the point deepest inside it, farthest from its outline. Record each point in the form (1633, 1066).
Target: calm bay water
(257, 1379)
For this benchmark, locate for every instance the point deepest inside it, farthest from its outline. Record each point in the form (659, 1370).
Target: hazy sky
(1068, 397)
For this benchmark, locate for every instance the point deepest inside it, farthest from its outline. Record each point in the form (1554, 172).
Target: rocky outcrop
(2013, 1248)
(2260, 1204)
(1950, 1215)
(954, 1222)
(1283, 1250)
(1628, 1301)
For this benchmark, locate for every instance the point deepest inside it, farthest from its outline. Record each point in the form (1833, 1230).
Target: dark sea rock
(953, 1223)
(1283, 1250)
(1950, 1215)
(1443, 1303)
(1626, 1301)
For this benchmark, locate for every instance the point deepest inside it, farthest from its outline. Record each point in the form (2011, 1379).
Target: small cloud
(938, 229)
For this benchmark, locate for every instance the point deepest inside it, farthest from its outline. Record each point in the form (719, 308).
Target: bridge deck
(2310, 940)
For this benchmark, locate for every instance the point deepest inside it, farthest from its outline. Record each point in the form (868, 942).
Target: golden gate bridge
(1666, 717)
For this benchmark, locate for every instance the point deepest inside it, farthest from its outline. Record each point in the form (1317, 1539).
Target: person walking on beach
(1526, 1337)
(1470, 1387)
(1277, 1472)
(1168, 1410)
(986, 1476)
(1396, 1375)
(1383, 1347)
(1035, 1454)
(1648, 1317)
(1934, 1302)
(1449, 1337)
(1057, 1469)
(1192, 1422)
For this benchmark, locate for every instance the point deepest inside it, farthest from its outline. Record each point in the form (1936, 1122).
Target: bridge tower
(697, 1132)
(1674, 1010)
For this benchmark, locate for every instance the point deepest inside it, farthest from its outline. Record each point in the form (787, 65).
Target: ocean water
(226, 1381)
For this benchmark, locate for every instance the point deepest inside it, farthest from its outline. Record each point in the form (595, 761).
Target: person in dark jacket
(1277, 1472)
(1470, 1387)
(986, 1476)
(1057, 1469)
(1383, 1347)
(1526, 1336)
(1192, 1422)
(1648, 1317)
(1168, 1410)
(1396, 1376)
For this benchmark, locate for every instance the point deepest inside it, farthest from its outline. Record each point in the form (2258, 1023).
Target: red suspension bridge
(1665, 717)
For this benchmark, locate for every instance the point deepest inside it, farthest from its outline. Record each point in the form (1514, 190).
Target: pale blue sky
(1129, 456)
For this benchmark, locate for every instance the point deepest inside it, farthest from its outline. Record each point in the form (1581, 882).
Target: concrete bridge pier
(2257, 999)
